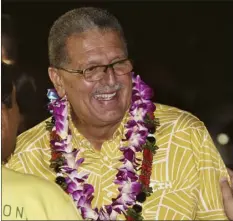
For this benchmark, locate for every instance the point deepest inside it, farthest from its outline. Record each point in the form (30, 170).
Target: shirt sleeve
(211, 168)
(16, 164)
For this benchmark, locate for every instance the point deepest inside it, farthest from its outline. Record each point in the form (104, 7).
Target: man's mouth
(105, 97)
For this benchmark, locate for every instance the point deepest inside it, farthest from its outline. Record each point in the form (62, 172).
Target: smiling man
(98, 101)
(101, 143)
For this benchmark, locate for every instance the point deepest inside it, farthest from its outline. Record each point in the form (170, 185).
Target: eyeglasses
(97, 72)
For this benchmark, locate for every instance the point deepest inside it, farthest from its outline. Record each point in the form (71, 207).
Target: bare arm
(227, 193)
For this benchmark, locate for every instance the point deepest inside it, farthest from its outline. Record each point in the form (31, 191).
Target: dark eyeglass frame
(82, 72)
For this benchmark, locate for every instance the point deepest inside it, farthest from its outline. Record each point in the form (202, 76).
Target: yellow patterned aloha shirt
(186, 168)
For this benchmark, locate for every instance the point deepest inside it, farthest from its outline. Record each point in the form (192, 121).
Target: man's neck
(96, 135)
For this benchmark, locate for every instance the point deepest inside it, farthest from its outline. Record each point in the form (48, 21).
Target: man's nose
(109, 76)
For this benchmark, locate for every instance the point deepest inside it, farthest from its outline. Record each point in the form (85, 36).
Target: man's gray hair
(78, 21)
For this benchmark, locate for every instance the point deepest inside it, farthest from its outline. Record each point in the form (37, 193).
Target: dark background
(184, 50)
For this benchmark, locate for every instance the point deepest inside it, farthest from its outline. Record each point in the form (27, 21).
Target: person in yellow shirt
(119, 155)
(26, 197)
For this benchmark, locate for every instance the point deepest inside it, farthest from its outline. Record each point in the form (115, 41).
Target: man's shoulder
(38, 201)
(177, 119)
(36, 135)
(36, 187)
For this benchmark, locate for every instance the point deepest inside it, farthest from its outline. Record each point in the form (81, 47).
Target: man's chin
(110, 116)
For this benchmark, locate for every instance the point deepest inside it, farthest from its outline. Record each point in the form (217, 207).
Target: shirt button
(105, 158)
(109, 194)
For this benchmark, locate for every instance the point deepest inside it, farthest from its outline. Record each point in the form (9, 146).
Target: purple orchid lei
(66, 160)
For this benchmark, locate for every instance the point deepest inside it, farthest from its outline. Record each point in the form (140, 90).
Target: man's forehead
(91, 45)
(90, 39)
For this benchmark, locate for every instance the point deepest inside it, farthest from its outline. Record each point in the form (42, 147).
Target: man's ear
(56, 79)
(5, 124)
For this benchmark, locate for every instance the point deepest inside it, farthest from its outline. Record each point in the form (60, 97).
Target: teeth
(105, 97)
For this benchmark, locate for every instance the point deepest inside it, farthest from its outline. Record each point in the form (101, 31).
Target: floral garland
(139, 136)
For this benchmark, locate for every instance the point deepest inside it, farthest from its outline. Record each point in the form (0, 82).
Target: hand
(227, 193)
